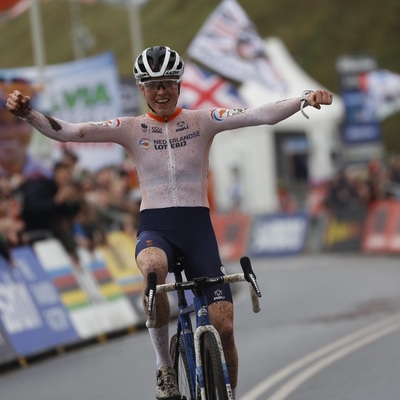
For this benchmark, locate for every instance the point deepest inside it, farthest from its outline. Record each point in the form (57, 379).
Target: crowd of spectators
(355, 186)
(76, 206)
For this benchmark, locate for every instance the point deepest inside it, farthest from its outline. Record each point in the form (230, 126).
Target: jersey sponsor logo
(145, 143)
(156, 129)
(174, 143)
(181, 126)
(219, 295)
(112, 123)
(145, 128)
(219, 114)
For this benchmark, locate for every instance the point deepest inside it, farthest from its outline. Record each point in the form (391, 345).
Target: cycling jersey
(170, 154)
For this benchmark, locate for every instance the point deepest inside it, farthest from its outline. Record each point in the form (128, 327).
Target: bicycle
(197, 354)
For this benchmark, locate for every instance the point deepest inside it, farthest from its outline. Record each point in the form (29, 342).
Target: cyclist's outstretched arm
(60, 130)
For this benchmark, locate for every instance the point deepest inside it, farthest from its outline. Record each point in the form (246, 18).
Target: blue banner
(31, 312)
(278, 235)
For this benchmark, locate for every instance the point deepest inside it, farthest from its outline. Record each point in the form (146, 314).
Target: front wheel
(215, 382)
(179, 358)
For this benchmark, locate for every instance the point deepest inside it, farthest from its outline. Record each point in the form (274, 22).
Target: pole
(76, 26)
(37, 38)
(135, 28)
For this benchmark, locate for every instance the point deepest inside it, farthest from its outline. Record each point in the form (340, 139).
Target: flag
(203, 89)
(12, 8)
(382, 90)
(229, 44)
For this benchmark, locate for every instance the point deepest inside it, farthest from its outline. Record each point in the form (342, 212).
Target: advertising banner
(278, 235)
(31, 311)
(232, 231)
(6, 351)
(78, 91)
(115, 310)
(344, 229)
(361, 123)
(76, 292)
(382, 228)
(119, 256)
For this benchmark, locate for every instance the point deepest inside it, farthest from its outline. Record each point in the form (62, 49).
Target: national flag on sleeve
(229, 44)
(203, 89)
(382, 91)
(10, 9)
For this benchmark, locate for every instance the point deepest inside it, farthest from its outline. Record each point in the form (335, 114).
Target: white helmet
(158, 61)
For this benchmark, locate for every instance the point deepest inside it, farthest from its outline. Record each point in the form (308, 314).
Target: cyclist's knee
(221, 314)
(155, 260)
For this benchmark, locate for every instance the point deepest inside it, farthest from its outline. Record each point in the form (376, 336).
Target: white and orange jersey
(170, 154)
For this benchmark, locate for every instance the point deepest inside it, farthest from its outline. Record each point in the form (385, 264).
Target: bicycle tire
(181, 366)
(213, 371)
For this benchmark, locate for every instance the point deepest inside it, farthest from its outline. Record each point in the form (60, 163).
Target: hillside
(316, 34)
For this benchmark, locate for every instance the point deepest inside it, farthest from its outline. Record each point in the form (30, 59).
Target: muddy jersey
(170, 154)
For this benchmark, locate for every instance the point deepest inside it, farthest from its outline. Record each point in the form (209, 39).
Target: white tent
(252, 151)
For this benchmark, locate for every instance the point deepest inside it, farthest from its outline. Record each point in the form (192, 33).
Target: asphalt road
(329, 329)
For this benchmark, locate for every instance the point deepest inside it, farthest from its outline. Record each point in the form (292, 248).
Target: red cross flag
(229, 45)
(203, 89)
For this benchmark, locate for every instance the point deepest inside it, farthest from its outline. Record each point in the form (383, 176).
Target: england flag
(203, 89)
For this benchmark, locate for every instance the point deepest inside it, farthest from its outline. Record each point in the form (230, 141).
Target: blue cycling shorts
(188, 232)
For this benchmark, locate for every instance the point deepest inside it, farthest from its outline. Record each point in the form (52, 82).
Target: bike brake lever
(249, 274)
(151, 296)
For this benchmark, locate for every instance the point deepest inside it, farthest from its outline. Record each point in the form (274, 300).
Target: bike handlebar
(247, 275)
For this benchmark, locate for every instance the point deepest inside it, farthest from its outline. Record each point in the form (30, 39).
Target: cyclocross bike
(197, 353)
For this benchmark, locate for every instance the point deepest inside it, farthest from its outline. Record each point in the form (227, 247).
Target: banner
(69, 282)
(115, 310)
(203, 89)
(345, 228)
(382, 228)
(6, 351)
(382, 91)
(232, 231)
(78, 91)
(30, 307)
(229, 44)
(278, 235)
(361, 124)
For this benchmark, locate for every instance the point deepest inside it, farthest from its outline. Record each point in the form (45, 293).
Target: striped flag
(203, 89)
(229, 44)
(10, 9)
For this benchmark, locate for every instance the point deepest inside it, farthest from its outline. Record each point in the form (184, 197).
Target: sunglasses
(155, 85)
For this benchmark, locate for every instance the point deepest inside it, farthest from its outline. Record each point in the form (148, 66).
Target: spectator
(342, 192)
(49, 207)
(15, 135)
(10, 225)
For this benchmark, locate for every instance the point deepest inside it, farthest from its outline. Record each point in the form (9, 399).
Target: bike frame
(192, 340)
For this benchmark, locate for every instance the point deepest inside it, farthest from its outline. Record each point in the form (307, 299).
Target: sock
(234, 393)
(160, 340)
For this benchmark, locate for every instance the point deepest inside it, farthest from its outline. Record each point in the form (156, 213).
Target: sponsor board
(278, 234)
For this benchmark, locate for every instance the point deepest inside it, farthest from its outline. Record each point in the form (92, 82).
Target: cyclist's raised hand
(318, 98)
(18, 104)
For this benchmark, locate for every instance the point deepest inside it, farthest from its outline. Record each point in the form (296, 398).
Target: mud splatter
(53, 123)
